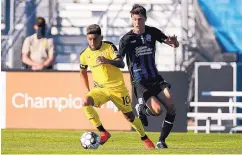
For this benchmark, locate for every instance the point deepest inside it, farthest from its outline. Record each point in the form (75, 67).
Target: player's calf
(166, 129)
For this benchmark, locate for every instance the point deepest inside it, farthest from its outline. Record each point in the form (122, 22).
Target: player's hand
(38, 67)
(172, 40)
(102, 60)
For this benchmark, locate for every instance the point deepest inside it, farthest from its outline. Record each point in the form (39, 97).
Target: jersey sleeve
(26, 46)
(123, 47)
(113, 51)
(159, 35)
(83, 64)
(50, 46)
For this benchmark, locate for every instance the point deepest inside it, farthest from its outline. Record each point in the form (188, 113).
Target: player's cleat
(104, 136)
(140, 109)
(161, 145)
(148, 144)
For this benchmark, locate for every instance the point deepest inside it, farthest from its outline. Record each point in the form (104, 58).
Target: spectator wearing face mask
(38, 50)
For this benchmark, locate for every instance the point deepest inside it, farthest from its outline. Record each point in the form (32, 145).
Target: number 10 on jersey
(126, 100)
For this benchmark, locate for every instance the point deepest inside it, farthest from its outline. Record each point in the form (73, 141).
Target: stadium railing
(216, 110)
(219, 116)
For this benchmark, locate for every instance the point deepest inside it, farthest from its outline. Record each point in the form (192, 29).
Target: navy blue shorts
(145, 89)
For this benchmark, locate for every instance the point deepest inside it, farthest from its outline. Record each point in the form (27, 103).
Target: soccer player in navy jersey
(139, 47)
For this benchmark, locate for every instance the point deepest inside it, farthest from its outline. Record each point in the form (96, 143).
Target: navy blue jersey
(140, 53)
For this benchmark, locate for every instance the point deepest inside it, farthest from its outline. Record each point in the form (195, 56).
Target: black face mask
(40, 32)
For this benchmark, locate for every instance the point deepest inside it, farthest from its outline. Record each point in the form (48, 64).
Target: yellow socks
(92, 115)
(137, 125)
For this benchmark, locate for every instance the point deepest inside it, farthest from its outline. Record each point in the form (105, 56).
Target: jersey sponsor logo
(148, 37)
(143, 50)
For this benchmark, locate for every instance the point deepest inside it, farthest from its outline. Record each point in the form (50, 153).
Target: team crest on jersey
(148, 37)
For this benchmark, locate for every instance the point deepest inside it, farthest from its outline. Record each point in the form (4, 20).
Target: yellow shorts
(120, 97)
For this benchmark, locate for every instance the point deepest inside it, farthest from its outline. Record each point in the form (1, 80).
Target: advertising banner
(51, 100)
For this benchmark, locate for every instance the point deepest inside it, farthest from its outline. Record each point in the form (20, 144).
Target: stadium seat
(114, 18)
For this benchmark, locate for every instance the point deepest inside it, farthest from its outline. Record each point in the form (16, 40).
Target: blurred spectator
(38, 50)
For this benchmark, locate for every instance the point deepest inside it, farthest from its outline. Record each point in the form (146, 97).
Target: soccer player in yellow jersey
(102, 59)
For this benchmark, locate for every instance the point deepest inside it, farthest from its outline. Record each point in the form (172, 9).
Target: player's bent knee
(88, 101)
(157, 111)
(155, 107)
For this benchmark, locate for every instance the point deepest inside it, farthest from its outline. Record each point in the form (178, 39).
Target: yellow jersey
(104, 75)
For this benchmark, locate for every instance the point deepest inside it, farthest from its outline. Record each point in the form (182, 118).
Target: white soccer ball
(90, 140)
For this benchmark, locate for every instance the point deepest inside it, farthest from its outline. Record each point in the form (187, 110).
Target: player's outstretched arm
(84, 81)
(117, 62)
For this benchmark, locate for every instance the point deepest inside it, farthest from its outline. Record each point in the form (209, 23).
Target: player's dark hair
(138, 10)
(94, 29)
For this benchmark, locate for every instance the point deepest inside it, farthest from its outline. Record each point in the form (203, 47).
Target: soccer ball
(90, 140)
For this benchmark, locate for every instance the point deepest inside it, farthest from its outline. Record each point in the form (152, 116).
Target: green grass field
(67, 142)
